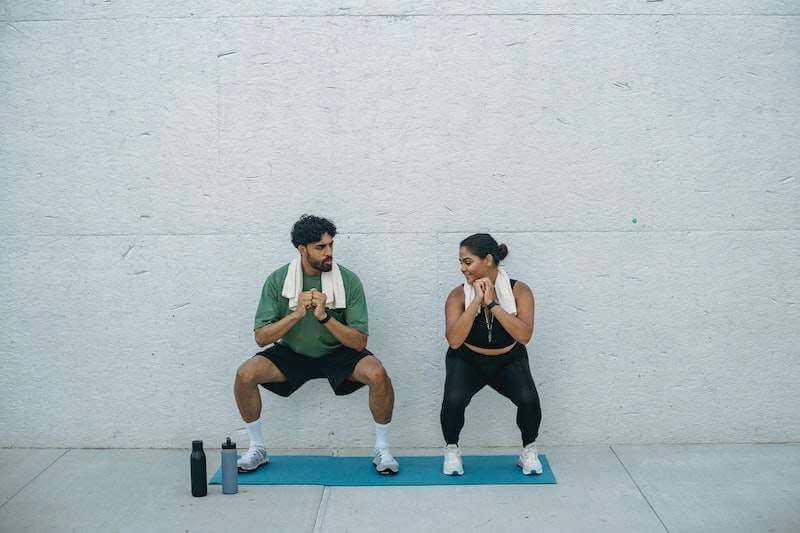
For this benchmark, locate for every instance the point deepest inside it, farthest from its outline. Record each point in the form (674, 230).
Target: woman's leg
(515, 382)
(461, 384)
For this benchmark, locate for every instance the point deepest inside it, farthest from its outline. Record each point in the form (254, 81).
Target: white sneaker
(529, 460)
(252, 459)
(384, 462)
(453, 465)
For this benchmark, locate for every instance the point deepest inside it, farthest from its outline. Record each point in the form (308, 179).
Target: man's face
(319, 254)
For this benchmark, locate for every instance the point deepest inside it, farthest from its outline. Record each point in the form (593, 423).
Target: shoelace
(384, 456)
(252, 454)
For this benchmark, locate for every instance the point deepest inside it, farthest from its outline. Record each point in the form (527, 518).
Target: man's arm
(272, 332)
(350, 337)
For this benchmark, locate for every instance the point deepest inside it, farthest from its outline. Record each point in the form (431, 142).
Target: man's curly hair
(310, 229)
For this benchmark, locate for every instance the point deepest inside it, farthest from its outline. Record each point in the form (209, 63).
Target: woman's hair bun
(503, 251)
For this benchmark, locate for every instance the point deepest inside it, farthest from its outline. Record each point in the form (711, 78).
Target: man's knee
(375, 373)
(245, 374)
(256, 370)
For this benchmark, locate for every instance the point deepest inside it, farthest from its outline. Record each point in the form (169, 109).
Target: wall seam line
(405, 15)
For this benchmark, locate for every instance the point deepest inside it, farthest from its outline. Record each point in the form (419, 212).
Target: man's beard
(321, 266)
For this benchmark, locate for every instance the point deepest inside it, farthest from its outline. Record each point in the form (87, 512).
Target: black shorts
(337, 366)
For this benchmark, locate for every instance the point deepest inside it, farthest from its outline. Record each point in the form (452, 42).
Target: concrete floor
(703, 488)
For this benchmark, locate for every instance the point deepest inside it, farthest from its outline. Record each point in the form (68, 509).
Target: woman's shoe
(529, 460)
(452, 461)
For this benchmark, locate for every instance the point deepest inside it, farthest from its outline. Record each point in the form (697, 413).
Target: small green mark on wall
(634, 220)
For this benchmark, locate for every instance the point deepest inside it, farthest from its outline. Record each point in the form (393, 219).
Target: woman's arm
(457, 319)
(521, 326)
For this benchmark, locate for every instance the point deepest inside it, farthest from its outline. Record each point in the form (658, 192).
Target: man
(315, 313)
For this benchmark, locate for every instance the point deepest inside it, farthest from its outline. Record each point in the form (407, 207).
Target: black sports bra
(479, 334)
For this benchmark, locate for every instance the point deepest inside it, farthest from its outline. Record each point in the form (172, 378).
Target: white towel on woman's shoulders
(332, 285)
(502, 288)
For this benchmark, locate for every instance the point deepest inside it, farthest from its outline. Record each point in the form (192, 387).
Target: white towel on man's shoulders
(502, 288)
(332, 285)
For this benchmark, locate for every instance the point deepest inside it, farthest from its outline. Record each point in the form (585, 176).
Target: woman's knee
(455, 399)
(527, 399)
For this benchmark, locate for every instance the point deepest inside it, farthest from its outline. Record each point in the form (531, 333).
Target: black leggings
(508, 374)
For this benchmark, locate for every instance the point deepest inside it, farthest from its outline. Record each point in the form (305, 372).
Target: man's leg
(249, 376)
(371, 372)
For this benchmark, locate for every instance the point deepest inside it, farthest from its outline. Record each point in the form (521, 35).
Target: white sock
(254, 430)
(381, 435)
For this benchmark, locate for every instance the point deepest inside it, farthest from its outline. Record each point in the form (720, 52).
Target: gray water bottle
(230, 476)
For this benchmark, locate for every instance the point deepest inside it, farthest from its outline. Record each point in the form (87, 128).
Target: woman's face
(472, 266)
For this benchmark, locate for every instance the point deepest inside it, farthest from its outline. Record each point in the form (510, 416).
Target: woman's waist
(514, 350)
(481, 337)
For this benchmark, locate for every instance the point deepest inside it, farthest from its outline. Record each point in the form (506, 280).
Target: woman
(489, 320)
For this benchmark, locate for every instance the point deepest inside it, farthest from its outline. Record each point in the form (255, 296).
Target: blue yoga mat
(358, 471)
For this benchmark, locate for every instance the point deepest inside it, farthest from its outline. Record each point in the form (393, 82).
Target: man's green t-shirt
(308, 336)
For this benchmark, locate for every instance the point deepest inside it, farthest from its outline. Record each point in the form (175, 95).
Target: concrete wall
(639, 158)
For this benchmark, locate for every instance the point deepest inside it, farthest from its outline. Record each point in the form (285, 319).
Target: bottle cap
(228, 445)
(197, 445)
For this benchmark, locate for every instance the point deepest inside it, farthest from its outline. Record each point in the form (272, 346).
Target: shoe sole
(386, 471)
(530, 472)
(245, 470)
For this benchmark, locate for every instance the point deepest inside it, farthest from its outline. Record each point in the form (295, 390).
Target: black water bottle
(197, 465)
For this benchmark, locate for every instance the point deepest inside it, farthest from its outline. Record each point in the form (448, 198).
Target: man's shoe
(252, 459)
(529, 460)
(452, 461)
(384, 462)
